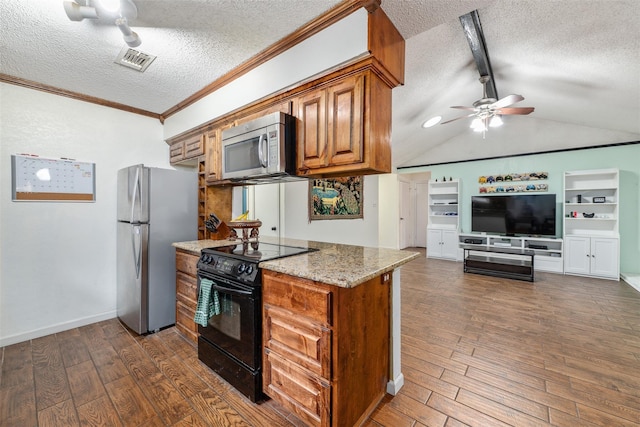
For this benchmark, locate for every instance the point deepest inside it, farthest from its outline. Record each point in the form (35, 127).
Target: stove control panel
(245, 271)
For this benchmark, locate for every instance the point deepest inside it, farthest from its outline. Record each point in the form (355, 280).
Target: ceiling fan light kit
(486, 111)
(432, 122)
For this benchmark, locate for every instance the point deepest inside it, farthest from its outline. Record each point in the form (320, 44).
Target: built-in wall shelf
(444, 219)
(590, 219)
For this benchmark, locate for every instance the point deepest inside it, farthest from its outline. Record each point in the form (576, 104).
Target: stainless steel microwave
(261, 150)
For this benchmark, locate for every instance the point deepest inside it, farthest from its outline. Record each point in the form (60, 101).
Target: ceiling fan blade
(515, 110)
(462, 107)
(507, 100)
(458, 118)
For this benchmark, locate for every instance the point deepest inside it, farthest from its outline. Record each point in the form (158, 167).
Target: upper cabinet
(186, 148)
(344, 127)
(213, 158)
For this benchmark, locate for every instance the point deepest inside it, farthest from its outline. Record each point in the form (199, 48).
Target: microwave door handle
(261, 151)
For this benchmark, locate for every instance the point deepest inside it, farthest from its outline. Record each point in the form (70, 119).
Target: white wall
(57, 260)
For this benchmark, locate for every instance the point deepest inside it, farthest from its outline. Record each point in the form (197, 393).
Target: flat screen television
(514, 214)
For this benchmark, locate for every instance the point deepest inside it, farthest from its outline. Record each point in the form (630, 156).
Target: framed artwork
(335, 198)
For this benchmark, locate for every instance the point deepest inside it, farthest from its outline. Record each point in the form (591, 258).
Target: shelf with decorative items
(513, 182)
(590, 219)
(444, 219)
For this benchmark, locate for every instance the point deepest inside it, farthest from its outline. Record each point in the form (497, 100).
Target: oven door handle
(230, 290)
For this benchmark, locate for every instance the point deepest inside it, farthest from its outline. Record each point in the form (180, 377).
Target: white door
(406, 216)
(604, 257)
(266, 208)
(422, 213)
(577, 257)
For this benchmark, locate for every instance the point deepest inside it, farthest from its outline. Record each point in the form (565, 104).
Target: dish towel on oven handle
(208, 303)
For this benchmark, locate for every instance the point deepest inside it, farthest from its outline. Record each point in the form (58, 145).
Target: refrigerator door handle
(137, 253)
(136, 195)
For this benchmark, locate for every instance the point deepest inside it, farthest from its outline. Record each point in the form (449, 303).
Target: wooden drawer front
(194, 147)
(176, 152)
(187, 263)
(297, 295)
(297, 389)
(186, 289)
(184, 316)
(298, 340)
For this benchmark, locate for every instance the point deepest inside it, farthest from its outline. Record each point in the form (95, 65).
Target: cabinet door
(312, 128)
(577, 257)
(213, 155)
(434, 243)
(604, 257)
(176, 152)
(303, 393)
(194, 146)
(450, 244)
(345, 107)
(298, 339)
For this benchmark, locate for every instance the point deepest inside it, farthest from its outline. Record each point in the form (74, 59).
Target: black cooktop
(258, 251)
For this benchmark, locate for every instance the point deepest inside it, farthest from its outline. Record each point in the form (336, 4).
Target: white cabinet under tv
(548, 251)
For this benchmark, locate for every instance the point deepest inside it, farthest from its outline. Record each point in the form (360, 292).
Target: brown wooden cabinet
(345, 127)
(186, 148)
(213, 155)
(326, 348)
(186, 293)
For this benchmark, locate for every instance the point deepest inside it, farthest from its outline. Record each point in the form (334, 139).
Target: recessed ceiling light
(432, 122)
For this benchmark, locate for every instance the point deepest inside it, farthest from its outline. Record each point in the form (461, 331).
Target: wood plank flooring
(476, 351)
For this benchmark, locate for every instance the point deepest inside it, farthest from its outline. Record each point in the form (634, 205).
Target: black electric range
(231, 342)
(240, 262)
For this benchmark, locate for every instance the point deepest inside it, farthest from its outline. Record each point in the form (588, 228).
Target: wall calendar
(60, 180)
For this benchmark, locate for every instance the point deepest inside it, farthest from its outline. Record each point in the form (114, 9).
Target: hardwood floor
(476, 350)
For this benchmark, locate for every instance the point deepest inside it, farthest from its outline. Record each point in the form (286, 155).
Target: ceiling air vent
(135, 59)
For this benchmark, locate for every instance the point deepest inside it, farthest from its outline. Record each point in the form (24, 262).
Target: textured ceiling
(576, 61)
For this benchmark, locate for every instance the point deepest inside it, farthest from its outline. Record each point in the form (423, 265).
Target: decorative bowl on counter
(249, 229)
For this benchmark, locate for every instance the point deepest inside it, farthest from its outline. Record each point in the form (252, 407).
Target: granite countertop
(334, 264)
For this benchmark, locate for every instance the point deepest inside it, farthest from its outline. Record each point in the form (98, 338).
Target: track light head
(130, 37)
(75, 12)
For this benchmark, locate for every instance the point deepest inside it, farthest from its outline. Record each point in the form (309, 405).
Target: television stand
(512, 263)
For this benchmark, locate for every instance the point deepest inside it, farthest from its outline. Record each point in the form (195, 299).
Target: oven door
(236, 330)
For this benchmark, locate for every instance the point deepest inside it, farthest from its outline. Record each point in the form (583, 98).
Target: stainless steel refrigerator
(156, 207)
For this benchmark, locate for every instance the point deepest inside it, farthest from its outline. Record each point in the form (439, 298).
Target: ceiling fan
(487, 110)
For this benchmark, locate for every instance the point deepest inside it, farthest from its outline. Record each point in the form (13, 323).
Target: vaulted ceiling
(576, 61)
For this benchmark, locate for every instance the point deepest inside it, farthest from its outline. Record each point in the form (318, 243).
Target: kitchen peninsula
(331, 326)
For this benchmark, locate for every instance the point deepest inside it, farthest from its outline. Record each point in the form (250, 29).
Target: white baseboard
(394, 386)
(53, 329)
(633, 279)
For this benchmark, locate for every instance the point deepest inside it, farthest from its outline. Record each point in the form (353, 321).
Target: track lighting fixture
(118, 9)
(75, 12)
